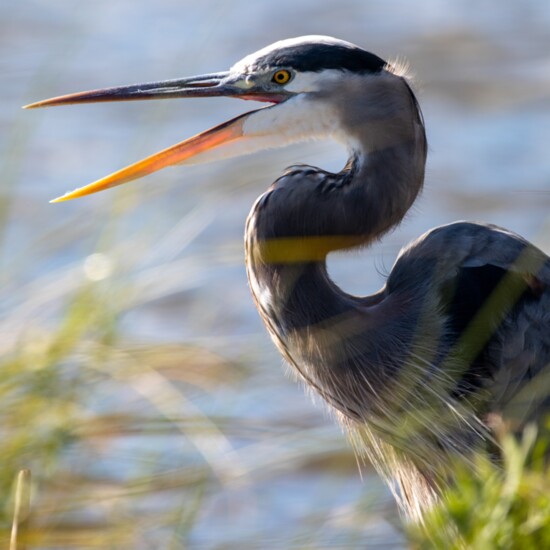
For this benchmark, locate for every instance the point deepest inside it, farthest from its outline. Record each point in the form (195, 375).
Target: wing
(493, 288)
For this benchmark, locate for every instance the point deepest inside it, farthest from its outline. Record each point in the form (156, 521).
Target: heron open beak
(211, 85)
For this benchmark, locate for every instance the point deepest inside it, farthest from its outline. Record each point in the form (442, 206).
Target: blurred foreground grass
(503, 506)
(124, 454)
(57, 421)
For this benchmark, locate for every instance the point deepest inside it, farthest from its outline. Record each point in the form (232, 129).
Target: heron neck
(384, 186)
(308, 213)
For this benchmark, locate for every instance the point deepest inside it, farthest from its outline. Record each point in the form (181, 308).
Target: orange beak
(219, 84)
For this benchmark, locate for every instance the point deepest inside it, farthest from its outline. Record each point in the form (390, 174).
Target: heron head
(300, 78)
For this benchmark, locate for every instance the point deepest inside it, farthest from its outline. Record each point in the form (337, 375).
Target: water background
(173, 241)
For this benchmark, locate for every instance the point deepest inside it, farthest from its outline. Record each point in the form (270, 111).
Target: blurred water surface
(165, 255)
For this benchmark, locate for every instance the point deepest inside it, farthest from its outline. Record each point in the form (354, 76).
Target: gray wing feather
(466, 244)
(519, 350)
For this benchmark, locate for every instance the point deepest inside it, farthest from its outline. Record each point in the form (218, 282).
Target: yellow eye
(281, 77)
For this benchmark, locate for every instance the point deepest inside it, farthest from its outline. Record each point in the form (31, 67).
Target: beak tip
(62, 198)
(35, 105)
(44, 103)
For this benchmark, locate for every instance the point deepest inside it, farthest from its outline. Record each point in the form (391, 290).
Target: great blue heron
(456, 341)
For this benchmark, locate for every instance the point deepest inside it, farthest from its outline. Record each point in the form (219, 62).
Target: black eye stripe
(319, 57)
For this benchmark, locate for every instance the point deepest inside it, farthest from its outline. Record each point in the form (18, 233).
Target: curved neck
(369, 196)
(308, 213)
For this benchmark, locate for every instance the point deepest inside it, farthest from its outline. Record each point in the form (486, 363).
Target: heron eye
(281, 77)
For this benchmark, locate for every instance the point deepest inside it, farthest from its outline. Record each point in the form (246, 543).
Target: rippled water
(483, 73)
